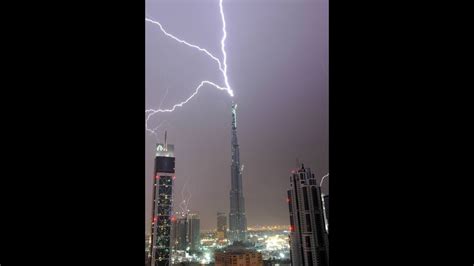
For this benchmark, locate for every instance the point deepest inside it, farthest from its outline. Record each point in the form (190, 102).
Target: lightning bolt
(185, 42)
(154, 130)
(322, 179)
(224, 37)
(185, 200)
(222, 68)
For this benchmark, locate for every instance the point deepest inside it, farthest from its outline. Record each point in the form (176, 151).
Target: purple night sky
(277, 57)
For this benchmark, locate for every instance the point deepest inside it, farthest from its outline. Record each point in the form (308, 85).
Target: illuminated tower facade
(237, 219)
(162, 205)
(308, 236)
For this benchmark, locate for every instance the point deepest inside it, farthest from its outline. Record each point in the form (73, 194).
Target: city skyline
(281, 90)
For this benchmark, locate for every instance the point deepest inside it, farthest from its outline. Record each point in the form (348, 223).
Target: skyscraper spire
(234, 116)
(237, 219)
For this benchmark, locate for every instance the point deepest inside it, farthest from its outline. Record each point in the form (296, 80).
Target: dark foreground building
(238, 255)
(308, 236)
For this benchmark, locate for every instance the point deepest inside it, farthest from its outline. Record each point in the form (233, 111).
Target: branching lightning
(185, 199)
(185, 42)
(154, 130)
(222, 67)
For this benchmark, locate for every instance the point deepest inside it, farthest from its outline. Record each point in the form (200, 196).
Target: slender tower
(237, 219)
(162, 204)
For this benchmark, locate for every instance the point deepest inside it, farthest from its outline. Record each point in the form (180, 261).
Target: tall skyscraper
(162, 204)
(237, 219)
(221, 226)
(308, 236)
(194, 232)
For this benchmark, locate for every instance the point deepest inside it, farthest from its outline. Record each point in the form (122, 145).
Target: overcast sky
(277, 57)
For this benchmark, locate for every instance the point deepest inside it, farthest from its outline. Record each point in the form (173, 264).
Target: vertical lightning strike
(222, 68)
(224, 37)
(184, 204)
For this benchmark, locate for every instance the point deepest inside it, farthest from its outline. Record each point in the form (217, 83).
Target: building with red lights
(160, 247)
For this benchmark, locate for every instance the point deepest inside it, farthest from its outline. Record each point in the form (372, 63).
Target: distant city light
(275, 246)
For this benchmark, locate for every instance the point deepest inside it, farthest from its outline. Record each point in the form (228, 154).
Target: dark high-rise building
(162, 204)
(237, 219)
(186, 232)
(194, 232)
(308, 236)
(326, 210)
(221, 225)
(181, 233)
